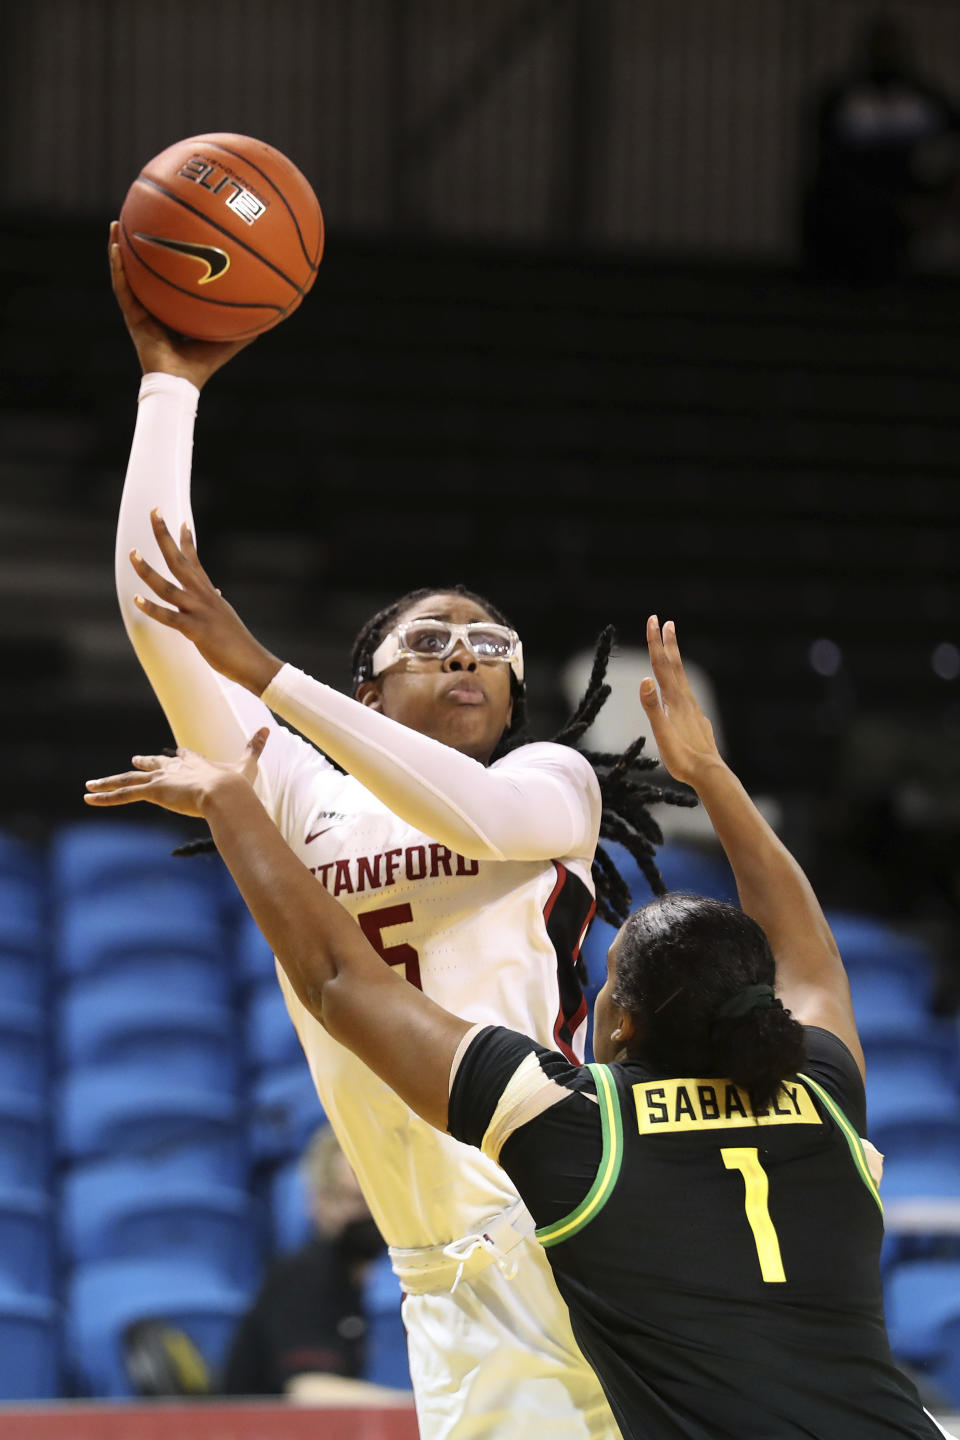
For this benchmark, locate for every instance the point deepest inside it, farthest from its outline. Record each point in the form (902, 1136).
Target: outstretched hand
(157, 347)
(683, 733)
(182, 782)
(200, 612)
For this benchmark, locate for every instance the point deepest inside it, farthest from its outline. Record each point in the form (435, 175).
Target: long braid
(625, 817)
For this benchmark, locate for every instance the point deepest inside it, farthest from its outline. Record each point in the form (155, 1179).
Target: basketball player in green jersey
(701, 1192)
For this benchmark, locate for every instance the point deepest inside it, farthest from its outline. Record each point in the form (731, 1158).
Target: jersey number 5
(755, 1199)
(374, 922)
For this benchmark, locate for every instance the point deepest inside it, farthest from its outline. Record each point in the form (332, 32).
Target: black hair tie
(742, 1002)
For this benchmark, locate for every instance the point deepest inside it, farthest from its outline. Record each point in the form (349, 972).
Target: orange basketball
(220, 236)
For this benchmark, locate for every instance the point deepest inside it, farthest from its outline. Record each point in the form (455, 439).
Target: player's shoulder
(829, 1063)
(503, 1079)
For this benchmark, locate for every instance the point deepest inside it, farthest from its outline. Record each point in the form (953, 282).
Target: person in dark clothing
(884, 162)
(701, 1192)
(308, 1317)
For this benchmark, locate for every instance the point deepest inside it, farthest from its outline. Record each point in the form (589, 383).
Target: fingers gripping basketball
(220, 236)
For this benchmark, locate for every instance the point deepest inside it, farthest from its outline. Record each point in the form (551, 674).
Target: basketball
(220, 236)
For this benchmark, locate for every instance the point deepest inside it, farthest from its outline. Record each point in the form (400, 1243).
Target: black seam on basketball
(177, 200)
(314, 265)
(204, 299)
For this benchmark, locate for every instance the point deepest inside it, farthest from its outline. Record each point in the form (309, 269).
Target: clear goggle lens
(436, 639)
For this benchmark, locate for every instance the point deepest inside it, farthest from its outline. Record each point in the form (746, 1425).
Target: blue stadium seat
(290, 1223)
(270, 1039)
(21, 860)
(24, 976)
(386, 1361)
(23, 1049)
(29, 1350)
(284, 1113)
(26, 1242)
(106, 1296)
(254, 957)
(124, 1211)
(867, 943)
(935, 1053)
(921, 1202)
(114, 1019)
(97, 856)
(920, 1297)
(888, 1002)
(23, 942)
(897, 1095)
(917, 1139)
(97, 932)
(119, 1112)
(947, 1369)
(22, 905)
(684, 867)
(24, 1143)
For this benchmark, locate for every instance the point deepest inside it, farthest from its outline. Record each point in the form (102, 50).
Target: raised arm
(540, 803)
(402, 1035)
(203, 710)
(773, 889)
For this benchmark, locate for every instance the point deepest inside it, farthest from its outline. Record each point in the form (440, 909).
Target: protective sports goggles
(436, 639)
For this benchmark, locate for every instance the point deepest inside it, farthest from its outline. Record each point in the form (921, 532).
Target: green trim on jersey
(608, 1170)
(849, 1134)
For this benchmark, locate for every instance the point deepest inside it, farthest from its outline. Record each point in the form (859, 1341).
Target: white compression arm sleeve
(205, 712)
(539, 803)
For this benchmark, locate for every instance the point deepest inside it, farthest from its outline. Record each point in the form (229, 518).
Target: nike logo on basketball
(215, 260)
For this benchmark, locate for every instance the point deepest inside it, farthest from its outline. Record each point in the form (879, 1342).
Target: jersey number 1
(756, 1195)
(374, 922)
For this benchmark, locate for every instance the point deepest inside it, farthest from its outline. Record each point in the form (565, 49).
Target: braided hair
(625, 817)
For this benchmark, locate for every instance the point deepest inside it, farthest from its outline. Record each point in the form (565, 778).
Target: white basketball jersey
(494, 941)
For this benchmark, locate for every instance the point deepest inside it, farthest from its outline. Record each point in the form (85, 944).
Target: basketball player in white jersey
(475, 878)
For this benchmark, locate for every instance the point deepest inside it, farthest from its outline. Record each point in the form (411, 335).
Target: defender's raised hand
(683, 733)
(195, 607)
(182, 782)
(157, 347)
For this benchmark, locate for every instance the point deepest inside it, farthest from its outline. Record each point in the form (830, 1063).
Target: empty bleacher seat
(23, 1049)
(255, 962)
(96, 931)
(23, 941)
(24, 1142)
(119, 1112)
(29, 1350)
(270, 1039)
(117, 1019)
(106, 1296)
(897, 1097)
(919, 1138)
(866, 943)
(921, 1206)
(98, 856)
(935, 1053)
(888, 1002)
(122, 1210)
(921, 1297)
(21, 861)
(26, 1241)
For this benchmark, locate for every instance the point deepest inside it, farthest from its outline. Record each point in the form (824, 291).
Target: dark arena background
(626, 306)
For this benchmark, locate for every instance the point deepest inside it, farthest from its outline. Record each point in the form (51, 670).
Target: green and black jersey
(721, 1267)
